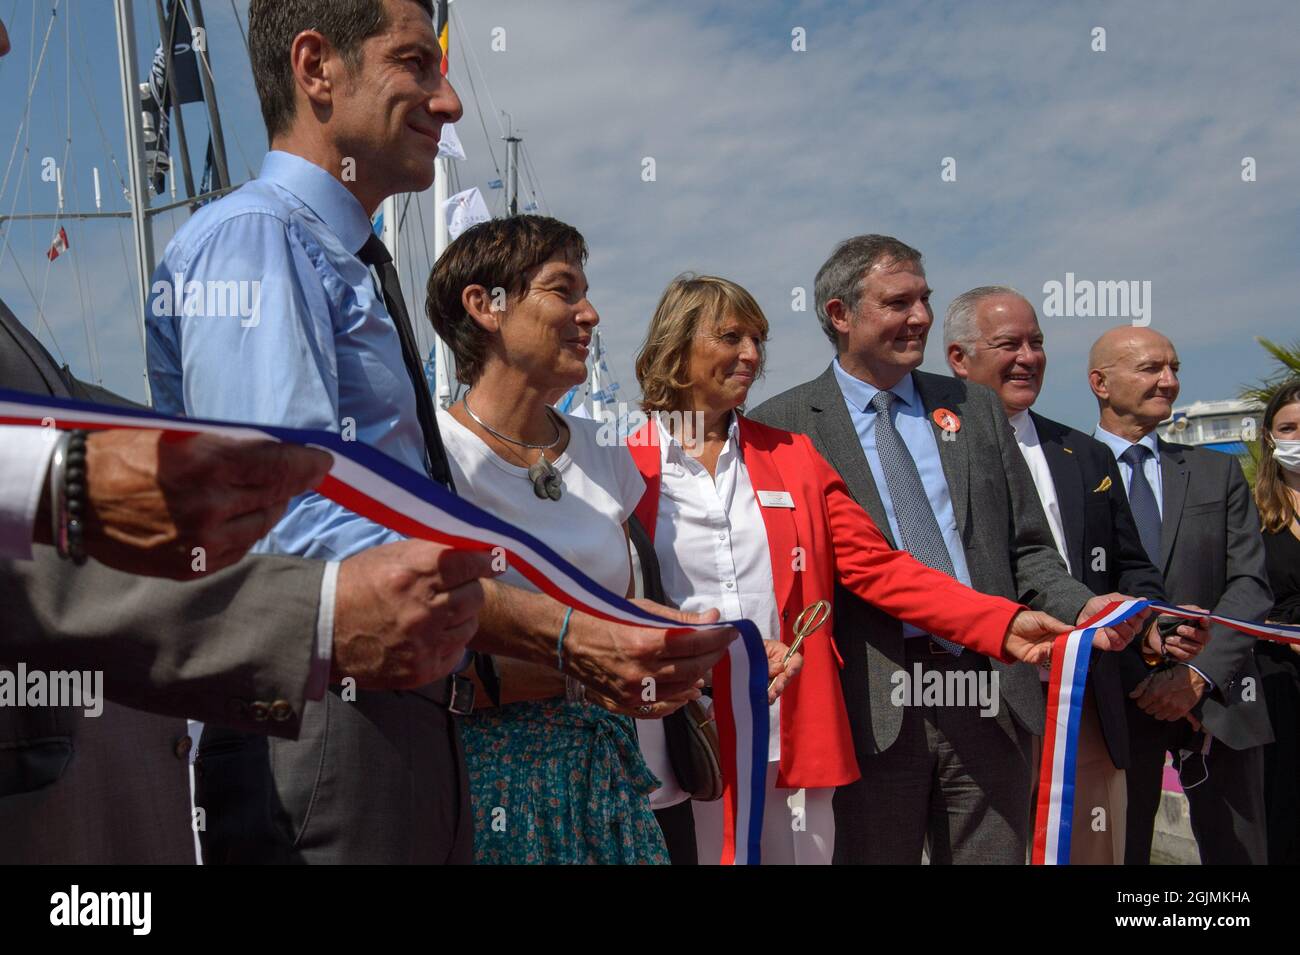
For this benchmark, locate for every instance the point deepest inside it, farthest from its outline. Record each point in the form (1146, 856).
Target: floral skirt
(559, 783)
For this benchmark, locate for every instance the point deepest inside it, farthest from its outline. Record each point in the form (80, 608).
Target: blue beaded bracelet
(559, 644)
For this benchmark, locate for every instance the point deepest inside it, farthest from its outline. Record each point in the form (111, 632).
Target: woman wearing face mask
(1277, 495)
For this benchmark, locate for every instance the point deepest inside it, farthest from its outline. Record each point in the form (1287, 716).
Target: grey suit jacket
(1009, 546)
(1212, 555)
(208, 649)
(115, 788)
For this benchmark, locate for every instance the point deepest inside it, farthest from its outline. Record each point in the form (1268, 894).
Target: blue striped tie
(918, 528)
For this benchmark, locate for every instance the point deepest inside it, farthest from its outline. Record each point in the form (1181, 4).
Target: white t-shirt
(585, 526)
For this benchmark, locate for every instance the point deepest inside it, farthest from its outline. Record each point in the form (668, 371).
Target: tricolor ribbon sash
(1069, 677)
(380, 489)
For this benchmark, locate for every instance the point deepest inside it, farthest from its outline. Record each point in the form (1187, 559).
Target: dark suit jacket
(1212, 555)
(1105, 551)
(115, 788)
(1009, 546)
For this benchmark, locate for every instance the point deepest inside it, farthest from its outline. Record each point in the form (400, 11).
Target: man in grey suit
(239, 646)
(1199, 525)
(935, 463)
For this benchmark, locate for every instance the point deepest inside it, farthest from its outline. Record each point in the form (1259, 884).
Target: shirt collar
(1023, 425)
(320, 192)
(672, 450)
(859, 393)
(1119, 445)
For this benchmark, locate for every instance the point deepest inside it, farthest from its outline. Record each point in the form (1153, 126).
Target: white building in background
(1227, 425)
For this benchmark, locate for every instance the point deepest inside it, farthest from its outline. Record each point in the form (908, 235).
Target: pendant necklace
(546, 480)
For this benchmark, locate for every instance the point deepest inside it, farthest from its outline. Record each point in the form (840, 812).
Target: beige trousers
(1100, 795)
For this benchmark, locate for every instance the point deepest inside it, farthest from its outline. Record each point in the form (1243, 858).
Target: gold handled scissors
(809, 619)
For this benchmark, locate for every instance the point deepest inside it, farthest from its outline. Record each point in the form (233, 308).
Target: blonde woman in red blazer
(703, 352)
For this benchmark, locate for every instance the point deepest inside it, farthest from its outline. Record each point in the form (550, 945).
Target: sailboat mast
(512, 174)
(208, 84)
(141, 227)
(444, 371)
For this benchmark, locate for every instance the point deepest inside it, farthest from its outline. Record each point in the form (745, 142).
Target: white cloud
(1116, 165)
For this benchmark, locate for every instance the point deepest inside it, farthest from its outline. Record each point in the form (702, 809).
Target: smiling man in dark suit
(992, 337)
(1198, 523)
(935, 463)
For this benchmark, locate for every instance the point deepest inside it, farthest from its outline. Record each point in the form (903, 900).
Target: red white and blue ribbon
(1069, 677)
(387, 492)
(741, 674)
(1065, 690)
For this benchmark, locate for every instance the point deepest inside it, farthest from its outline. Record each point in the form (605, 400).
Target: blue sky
(1115, 165)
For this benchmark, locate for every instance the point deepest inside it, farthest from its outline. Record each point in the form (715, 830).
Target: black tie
(375, 253)
(1142, 501)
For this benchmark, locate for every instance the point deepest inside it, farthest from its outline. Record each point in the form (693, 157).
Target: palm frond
(1287, 357)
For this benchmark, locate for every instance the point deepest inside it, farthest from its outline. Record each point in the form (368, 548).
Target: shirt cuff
(1209, 683)
(318, 678)
(23, 468)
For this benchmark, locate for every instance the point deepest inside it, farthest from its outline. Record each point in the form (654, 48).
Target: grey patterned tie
(1142, 501)
(917, 525)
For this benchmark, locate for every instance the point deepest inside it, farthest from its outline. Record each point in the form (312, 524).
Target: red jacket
(825, 539)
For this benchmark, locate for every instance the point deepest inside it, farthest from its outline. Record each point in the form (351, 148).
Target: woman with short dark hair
(553, 777)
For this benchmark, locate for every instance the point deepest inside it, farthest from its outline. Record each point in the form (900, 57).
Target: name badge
(776, 499)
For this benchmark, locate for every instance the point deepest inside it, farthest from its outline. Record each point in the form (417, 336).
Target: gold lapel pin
(1103, 486)
(809, 619)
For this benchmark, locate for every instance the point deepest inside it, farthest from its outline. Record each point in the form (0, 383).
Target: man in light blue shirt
(1150, 463)
(261, 311)
(914, 428)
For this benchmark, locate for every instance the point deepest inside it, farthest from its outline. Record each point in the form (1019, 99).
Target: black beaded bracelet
(74, 499)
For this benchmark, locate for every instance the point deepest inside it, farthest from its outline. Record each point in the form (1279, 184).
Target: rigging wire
(428, 259)
(469, 75)
(41, 320)
(94, 111)
(473, 56)
(105, 144)
(242, 35)
(535, 181)
(70, 178)
(23, 124)
(212, 83)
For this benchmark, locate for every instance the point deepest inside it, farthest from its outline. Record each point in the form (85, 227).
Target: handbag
(694, 751)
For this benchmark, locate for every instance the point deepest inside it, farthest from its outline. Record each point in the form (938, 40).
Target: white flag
(449, 146)
(463, 210)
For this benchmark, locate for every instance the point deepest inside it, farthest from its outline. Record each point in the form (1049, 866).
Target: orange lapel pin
(946, 420)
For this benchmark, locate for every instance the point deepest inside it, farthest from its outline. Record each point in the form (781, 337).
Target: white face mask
(1287, 454)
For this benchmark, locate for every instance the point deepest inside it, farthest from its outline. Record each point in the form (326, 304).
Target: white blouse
(712, 543)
